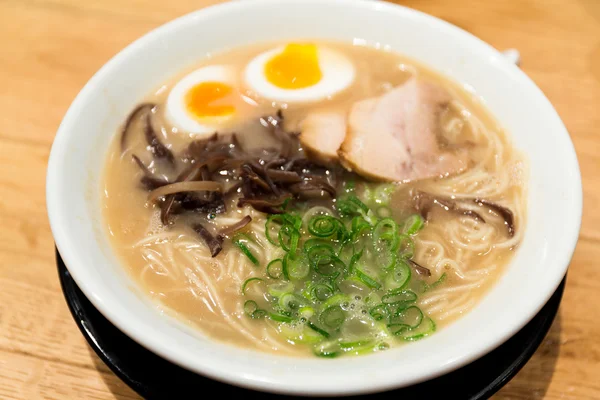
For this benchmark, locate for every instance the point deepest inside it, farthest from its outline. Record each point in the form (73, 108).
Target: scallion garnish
(250, 280)
(336, 267)
(241, 240)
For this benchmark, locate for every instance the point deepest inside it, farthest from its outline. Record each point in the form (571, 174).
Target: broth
(465, 256)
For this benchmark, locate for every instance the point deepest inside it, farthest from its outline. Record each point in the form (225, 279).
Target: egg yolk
(200, 98)
(296, 67)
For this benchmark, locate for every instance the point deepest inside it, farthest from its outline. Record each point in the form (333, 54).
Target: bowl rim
(134, 327)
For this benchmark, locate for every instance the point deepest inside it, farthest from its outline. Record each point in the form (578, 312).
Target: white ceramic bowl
(554, 203)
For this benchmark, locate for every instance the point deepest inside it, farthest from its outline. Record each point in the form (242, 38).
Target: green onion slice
(288, 238)
(275, 268)
(290, 302)
(358, 225)
(323, 226)
(293, 220)
(353, 260)
(251, 309)
(413, 224)
(329, 266)
(321, 292)
(318, 330)
(270, 228)
(406, 246)
(435, 284)
(379, 312)
(399, 296)
(327, 349)
(249, 280)
(399, 276)
(241, 240)
(306, 311)
(426, 328)
(296, 266)
(385, 235)
(333, 317)
(367, 280)
(280, 318)
(336, 300)
(279, 289)
(258, 314)
(411, 316)
(355, 344)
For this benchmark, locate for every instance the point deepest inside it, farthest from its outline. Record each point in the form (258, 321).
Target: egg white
(337, 74)
(176, 110)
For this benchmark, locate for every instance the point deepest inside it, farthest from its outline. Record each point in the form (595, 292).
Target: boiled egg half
(299, 73)
(204, 100)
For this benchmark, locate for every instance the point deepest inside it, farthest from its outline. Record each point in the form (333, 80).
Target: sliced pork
(322, 133)
(394, 137)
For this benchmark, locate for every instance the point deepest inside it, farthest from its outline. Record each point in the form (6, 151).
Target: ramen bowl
(541, 260)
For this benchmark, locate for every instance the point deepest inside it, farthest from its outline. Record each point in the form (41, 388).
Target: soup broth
(453, 235)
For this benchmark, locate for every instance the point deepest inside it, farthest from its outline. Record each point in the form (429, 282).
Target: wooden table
(50, 48)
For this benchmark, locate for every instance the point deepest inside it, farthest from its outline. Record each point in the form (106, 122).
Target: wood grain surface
(50, 48)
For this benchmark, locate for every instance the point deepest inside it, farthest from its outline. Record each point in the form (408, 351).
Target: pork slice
(322, 133)
(394, 137)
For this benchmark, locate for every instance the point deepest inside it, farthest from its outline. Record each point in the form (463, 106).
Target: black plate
(155, 378)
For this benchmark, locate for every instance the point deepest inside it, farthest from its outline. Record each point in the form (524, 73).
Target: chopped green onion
(435, 284)
(323, 259)
(367, 280)
(413, 224)
(386, 235)
(247, 281)
(321, 292)
(333, 317)
(293, 220)
(290, 302)
(351, 205)
(411, 316)
(271, 220)
(386, 259)
(372, 299)
(327, 349)
(296, 266)
(275, 268)
(279, 289)
(399, 276)
(426, 328)
(280, 318)
(379, 312)
(323, 226)
(306, 311)
(241, 240)
(406, 247)
(353, 260)
(358, 204)
(353, 345)
(336, 300)
(250, 306)
(318, 330)
(330, 266)
(310, 243)
(399, 296)
(291, 244)
(359, 224)
(319, 252)
(258, 314)
(398, 329)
